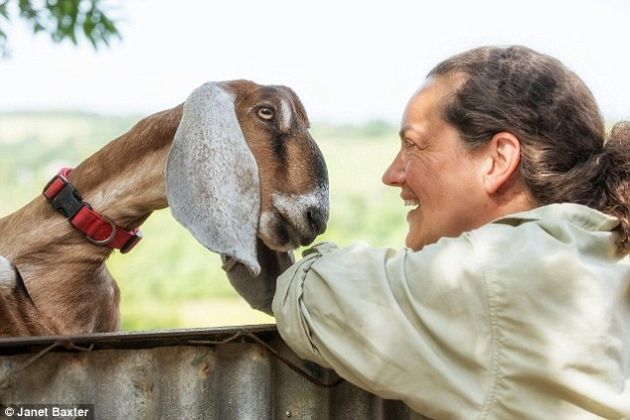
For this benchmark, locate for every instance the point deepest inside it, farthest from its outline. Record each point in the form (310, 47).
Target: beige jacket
(527, 317)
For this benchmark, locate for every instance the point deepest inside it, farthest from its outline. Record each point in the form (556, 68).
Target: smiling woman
(516, 280)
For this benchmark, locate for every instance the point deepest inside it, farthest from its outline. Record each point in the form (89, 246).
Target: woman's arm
(407, 325)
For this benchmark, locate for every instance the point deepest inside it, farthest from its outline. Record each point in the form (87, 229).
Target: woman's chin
(414, 239)
(413, 242)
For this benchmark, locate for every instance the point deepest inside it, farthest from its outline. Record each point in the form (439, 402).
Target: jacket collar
(578, 214)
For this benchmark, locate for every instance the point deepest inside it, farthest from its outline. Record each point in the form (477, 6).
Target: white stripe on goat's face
(295, 215)
(285, 115)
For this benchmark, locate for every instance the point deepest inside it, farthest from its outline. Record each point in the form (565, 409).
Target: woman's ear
(504, 156)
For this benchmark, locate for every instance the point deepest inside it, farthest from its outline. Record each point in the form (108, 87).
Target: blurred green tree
(61, 19)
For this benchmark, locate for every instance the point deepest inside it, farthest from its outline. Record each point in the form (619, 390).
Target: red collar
(99, 230)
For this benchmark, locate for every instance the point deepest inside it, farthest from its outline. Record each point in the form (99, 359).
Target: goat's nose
(316, 218)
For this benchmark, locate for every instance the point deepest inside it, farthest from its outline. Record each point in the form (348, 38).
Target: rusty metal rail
(220, 373)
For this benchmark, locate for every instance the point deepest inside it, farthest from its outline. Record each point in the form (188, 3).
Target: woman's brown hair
(565, 154)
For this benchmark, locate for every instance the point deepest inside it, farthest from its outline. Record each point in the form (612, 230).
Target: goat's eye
(265, 113)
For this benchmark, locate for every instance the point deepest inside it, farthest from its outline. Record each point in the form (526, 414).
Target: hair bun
(620, 133)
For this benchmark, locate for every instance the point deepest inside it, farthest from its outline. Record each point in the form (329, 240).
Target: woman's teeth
(412, 203)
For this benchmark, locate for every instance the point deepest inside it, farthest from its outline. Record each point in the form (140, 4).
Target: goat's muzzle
(295, 219)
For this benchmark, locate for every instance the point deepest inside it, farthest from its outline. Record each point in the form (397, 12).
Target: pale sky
(349, 61)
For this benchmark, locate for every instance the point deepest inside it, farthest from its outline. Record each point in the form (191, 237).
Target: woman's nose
(394, 175)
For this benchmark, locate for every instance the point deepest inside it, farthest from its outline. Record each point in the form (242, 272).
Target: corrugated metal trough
(221, 373)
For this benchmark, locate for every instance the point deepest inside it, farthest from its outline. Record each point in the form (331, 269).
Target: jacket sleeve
(407, 325)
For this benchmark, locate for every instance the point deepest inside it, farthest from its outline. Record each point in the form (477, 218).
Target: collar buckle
(67, 201)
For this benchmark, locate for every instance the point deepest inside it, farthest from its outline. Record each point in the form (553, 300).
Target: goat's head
(243, 165)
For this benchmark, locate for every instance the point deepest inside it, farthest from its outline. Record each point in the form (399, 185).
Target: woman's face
(437, 176)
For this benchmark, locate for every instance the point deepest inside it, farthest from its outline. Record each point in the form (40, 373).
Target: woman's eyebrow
(403, 130)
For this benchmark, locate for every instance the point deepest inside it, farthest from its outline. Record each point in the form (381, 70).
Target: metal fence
(224, 373)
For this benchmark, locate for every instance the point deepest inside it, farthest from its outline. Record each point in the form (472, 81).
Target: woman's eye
(265, 113)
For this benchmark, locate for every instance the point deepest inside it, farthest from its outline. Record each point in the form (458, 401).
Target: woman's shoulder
(547, 230)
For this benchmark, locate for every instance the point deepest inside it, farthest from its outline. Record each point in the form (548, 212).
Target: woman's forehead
(425, 106)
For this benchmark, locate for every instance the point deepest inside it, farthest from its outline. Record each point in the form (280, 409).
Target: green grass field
(170, 280)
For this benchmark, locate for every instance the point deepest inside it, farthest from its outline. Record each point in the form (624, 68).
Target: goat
(234, 162)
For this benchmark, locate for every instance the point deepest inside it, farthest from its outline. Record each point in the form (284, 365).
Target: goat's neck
(125, 180)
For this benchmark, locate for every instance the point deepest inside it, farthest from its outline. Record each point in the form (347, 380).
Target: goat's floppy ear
(212, 183)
